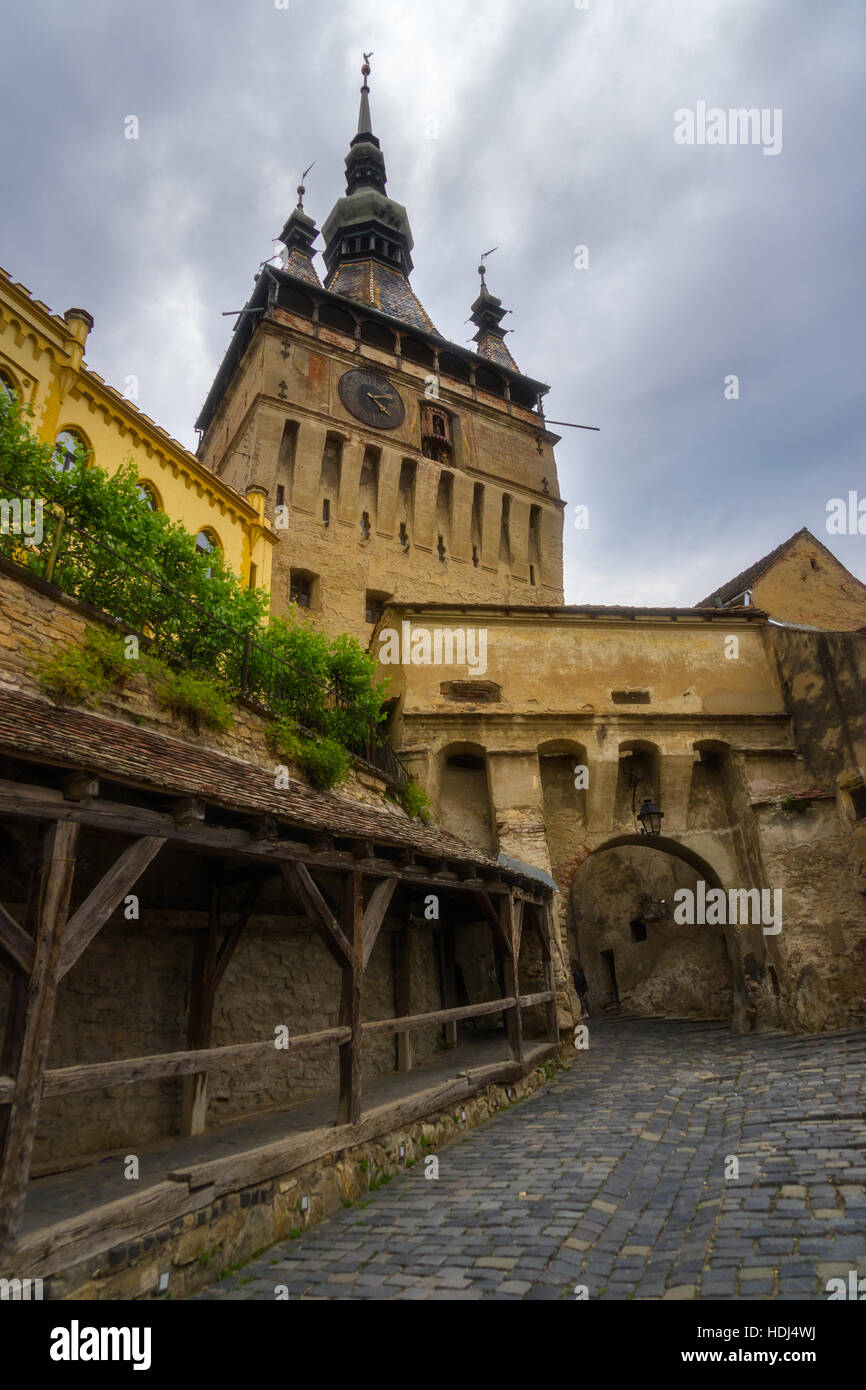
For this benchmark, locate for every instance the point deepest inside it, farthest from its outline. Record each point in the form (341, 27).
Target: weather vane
(301, 189)
(481, 269)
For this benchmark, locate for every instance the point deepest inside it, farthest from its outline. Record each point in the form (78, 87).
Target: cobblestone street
(614, 1177)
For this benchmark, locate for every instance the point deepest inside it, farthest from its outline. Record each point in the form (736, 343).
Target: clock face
(371, 398)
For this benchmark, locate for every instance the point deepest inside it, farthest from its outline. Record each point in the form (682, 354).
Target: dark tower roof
(487, 314)
(368, 240)
(298, 236)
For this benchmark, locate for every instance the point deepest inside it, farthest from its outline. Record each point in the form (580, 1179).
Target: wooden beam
(21, 802)
(96, 1076)
(403, 996)
(14, 941)
(258, 1165)
(541, 916)
(200, 1021)
(500, 936)
(349, 1103)
(298, 878)
(58, 868)
(404, 1024)
(109, 893)
(377, 907)
(519, 907)
(252, 893)
(527, 1001)
(448, 974)
(513, 1020)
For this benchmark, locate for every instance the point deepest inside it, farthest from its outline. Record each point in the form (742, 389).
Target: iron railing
(183, 630)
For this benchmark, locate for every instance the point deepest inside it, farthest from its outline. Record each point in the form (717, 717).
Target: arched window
(65, 447)
(8, 389)
(148, 495)
(207, 543)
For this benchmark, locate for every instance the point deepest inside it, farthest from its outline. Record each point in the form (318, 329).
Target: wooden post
(542, 919)
(448, 973)
(200, 1024)
(403, 996)
(349, 1106)
(31, 1020)
(513, 1019)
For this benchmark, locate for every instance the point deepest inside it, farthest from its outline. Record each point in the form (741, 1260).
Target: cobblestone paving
(613, 1177)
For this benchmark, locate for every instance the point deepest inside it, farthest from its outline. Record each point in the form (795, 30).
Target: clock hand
(378, 400)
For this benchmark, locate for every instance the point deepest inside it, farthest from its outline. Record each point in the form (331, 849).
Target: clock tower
(391, 462)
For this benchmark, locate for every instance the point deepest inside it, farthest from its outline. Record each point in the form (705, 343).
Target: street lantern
(650, 817)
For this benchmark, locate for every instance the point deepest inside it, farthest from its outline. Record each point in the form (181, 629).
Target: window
(374, 608)
(326, 512)
(858, 801)
(532, 575)
(630, 697)
(254, 574)
(404, 536)
(475, 560)
(206, 543)
(303, 589)
(440, 546)
(366, 529)
(638, 929)
(147, 494)
(67, 444)
(281, 495)
(8, 389)
(435, 434)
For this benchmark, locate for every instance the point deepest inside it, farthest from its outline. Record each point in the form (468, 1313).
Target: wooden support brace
(109, 892)
(513, 1020)
(403, 995)
(15, 942)
(502, 938)
(377, 907)
(349, 1105)
(26, 1051)
(298, 878)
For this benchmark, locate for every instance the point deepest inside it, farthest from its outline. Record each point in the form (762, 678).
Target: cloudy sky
(533, 125)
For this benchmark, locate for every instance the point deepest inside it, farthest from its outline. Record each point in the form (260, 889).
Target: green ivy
(324, 760)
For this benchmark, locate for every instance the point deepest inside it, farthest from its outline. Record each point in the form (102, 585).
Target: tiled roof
(495, 350)
(301, 267)
(369, 282)
(37, 729)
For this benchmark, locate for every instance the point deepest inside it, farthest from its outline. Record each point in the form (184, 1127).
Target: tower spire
(487, 314)
(365, 124)
(298, 236)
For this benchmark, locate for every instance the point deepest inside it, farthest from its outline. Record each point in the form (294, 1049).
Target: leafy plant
(415, 801)
(196, 698)
(325, 762)
(70, 676)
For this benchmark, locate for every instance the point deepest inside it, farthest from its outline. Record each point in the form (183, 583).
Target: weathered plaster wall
(809, 585)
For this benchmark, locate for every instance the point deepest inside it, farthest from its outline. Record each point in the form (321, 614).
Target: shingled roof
(36, 729)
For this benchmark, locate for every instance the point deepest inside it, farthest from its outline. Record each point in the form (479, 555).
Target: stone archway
(636, 958)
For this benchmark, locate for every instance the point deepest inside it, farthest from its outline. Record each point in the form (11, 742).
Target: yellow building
(42, 362)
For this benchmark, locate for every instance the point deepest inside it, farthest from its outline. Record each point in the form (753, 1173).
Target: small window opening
(638, 929)
(366, 529)
(440, 546)
(326, 511)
